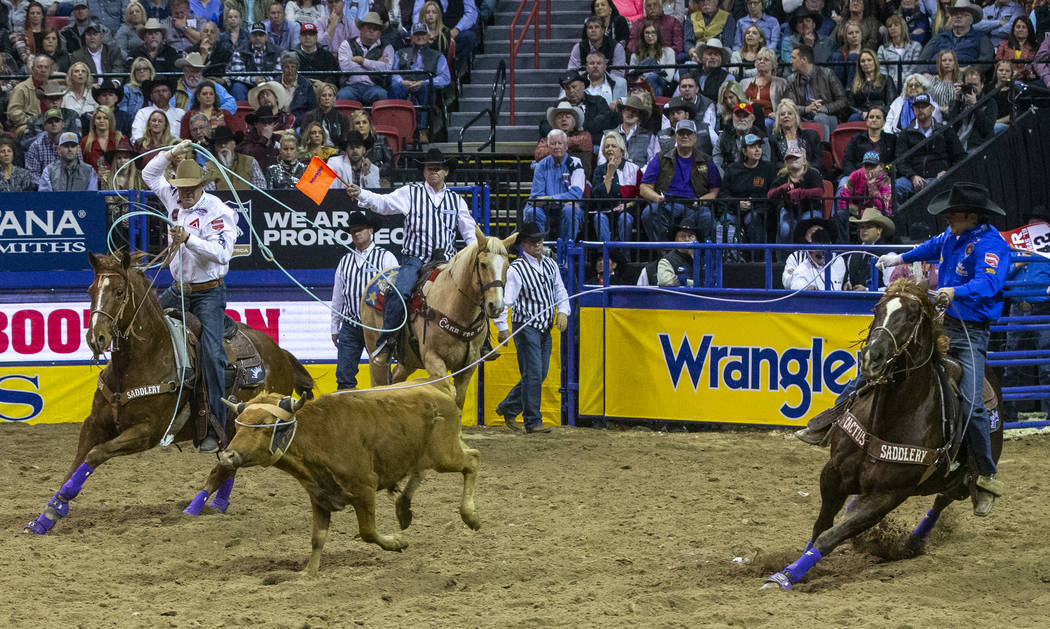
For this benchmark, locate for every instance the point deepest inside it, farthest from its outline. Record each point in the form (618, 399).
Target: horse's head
(903, 319)
(111, 293)
(490, 266)
(265, 430)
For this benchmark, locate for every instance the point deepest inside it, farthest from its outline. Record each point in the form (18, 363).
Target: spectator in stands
(669, 29)
(30, 35)
(797, 191)
(977, 123)
(601, 83)
(227, 143)
(200, 131)
(1040, 18)
(729, 96)
(788, 134)
(868, 186)
(234, 36)
(312, 57)
(262, 57)
(899, 52)
(998, 20)
(339, 28)
(704, 107)
(815, 89)
(558, 180)
(616, 178)
(873, 228)
(1003, 89)
(303, 96)
(873, 138)
(651, 52)
(943, 88)
(215, 57)
(273, 95)
(157, 9)
(51, 99)
(708, 22)
(969, 45)
(597, 117)
(193, 66)
(902, 109)
(23, 103)
(595, 40)
(261, 140)
(809, 274)
(306, 12)
(731, 141)
(13, 178)
(713, 56)
(78, 93)
(284, 33)
(44, 148)
(674, 180)
(68, 173)
(205, 101)
(568, 119)
(640, 144)
(1020, 46)
(619, 272)
(461, 17)
(181, 31)
(141, 71)
(746, 182)
(316, 142)
(420, 88)
(160, 55)
(101, 137)
(73, 34)
(335, 123)
(676, 267)
(53, 47)
(352, 166)
(676, 110)
(860, 13)
(756, 15)
(940, 149)
(916, 24)
(109, 95)
(379, 153)
(366, 54)
(845, 58)
(433, 16)
(804, 232)
(1042, 68)
(99, 57)
(805, 26)
(614, 25)
(286, 172)
(870, 87)
(159, 92)
(765, 89)
(156, 134)
(742, 59)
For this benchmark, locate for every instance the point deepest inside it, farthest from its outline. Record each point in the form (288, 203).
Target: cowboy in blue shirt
(974, 260)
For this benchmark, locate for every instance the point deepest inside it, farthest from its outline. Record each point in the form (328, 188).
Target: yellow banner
(732, 367)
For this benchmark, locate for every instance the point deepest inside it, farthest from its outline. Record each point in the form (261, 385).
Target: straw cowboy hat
(283, 97)
(188, 175)
(964, 5)
(638, 104)
(193, 60)
(965, 197)
(373, 18)
(552, 113)
(153, 24)
(716, 44)
(872, 215)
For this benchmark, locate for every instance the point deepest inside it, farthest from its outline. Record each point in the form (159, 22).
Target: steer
(343, 447)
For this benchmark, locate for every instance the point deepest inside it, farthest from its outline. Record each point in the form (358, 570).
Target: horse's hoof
(779, 580)
(220, 504)
(39, 526)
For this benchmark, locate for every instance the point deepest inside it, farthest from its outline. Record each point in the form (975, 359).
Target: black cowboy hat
(530, 231)
(435, 156)
(687, 224)
(354, 138)
(358, 220)
(1038, 212)
(107, 88)
(803, 226)
(677, 103)
(149, 84)
(570, 76)
(262, 114)
(965, 197)
(124, 146)
(223, 134)
(803, 13)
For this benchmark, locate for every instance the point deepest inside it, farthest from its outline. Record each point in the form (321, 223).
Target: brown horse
(889, 445)
(453, 325)
(138, 392)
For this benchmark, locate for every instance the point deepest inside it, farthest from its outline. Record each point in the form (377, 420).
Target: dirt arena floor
(581, 527)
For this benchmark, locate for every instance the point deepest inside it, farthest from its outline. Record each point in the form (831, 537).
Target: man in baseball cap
(68, 173)
(418, 88)
(930, 160)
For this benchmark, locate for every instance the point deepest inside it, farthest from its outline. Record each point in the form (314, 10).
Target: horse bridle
(901, 348)
(123, 304)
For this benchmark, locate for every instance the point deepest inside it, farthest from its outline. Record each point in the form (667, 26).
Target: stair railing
(534, 21)
(499, 88)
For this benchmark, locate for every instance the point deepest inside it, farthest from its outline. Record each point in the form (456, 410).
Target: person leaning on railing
(745, 185)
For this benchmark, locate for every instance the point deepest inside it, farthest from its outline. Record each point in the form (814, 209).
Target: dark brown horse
(889, 445)
(138, 394)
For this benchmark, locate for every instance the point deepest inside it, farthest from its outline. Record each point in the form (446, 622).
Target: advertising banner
(50, 231)
(1034, 238)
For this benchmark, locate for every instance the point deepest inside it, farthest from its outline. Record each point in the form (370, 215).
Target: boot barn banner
(726, 367)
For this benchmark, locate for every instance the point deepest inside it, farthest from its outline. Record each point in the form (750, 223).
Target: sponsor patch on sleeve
(217, 225)
(991, 260)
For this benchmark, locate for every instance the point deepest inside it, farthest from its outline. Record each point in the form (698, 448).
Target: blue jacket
(1036, 275)
(565, 181)
(975, 264)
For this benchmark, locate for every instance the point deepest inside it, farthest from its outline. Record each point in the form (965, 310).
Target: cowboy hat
(687, 224)
(965, 197)
(373, 18)
(193, 60)
(354, 138)
(636, 103)
(283, 97)
(802, 14)
(262, 114)
(54, 89)
(435, 156)
(153, 24)
(572, 75)
(358, 220)
(716, 44)
(123, 146)
(188, 174)
(552, 113)
(223, 134)
(964, 5)
(149, 84)
(677, 103)
(530, 231)
(105, 88)
(803, 226)
(872, 215)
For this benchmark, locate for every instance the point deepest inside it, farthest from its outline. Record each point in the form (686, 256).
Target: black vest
(374, 54)
(1042, 23)
(407, 56)
(453, 13)
(680, 262)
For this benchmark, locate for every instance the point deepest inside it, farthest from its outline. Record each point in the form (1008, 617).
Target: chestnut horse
(905, 451)
(138, 392)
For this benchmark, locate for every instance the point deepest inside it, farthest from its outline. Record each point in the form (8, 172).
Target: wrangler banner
(727, 367)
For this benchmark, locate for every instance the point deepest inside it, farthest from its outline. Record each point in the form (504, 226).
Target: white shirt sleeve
(338, 285)
(397, 202)
(561, 296)
(510, 297)
(153, 176)
(466, 221)
(216, 244)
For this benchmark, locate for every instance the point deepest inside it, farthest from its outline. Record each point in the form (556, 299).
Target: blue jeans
(905, 188)
(239, 90)
(534, 354)
(624, 223)
(394, 308)
(350, 342)
(466, 42)
(1019, 375)
(363, 92)
(978, 433)
(788, 220)
(571, 218)
(210, 307)
(657, 219)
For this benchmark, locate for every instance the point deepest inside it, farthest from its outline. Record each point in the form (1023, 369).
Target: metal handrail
(499, 88)
(532, 20)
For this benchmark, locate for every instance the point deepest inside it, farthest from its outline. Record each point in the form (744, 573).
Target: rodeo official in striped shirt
(432, 215)
(533, 286)
(351, 278)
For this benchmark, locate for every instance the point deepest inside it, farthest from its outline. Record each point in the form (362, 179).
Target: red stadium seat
(829, 204)
(392, 136)
(660, 101)
(813, 126)
(241, 115)
(56, 22)
(348, 106)
(399, 115)
(841, 136)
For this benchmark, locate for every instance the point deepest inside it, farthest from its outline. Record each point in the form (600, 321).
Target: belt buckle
(185, 288)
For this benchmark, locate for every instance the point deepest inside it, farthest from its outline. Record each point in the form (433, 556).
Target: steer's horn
(236, 408)
(291, 404)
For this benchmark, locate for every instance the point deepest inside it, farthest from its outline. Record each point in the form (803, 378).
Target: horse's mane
(919, 290)
(135, 273)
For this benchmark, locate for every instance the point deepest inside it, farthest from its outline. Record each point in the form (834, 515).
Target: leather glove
(178, 234)
(562, 322)
(186, 147)
(944, 297)
(888, 260)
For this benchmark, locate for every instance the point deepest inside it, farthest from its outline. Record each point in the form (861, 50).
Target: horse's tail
(304, 382)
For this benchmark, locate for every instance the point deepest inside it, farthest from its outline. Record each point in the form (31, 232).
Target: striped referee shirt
(431, 218)
(352, 275)
(532, 287)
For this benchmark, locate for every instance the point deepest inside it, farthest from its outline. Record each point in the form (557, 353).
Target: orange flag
(317, 179)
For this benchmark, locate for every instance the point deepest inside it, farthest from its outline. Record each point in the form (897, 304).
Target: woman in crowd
(870, 86)
(286, 172)
(1020, 46)
(55, 48)
(134, 100)
(433, 16)
(797, 191)
(846, 56)
(868, 186)
(789, 134)
(78, 95)
(13, 178)
(942, 88)
(873, 138)
(33, 35)
(305, 11)
(753, 41)
(765, 88)
(613, 24)
(899, 52)
(916, 24)
(158, 134)
(335, 123)
(730, 95)
(860, 13)
(380, 153)
(942, 18)
(616, 180)
(902, 110)
(595, 40)
(206, 102)
(316, 142)
(102, 136)
(129, 36)
(1004, 84)
(651, 52)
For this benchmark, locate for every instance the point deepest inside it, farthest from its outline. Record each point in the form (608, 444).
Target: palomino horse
(453, 323)
(142, 384)
(890, 444)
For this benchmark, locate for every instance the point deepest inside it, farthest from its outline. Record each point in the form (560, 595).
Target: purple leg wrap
(196, 504)
(802, 565)
(809, 545)
(222, 496)
(60, 506)
(923, 530)
(41, 525)
(72, 487)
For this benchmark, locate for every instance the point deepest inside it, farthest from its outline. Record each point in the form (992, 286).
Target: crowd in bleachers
(93, 84)
(748, 116)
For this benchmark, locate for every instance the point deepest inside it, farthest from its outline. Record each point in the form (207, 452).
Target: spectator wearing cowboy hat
(303, 96)
(674, 111)
(261, 57)
(416, 86)
(809, 275)
(159, 92)
(642, 144)
(225, 142)
(568, 119)
(68, 173)
(805, 29)
(974, 262)
(364, 54)
(100, 57)
(109, 95)
(261, 140)
(351, 165)
(193, 66)
(675, 268)
(873, 228)
(51, 99)
(273, 95)
(558, 181)
(803, 233)
(712, 72)
(533, 285)
(154, 49)
(597, 117)
(609, 86)
(969, 44)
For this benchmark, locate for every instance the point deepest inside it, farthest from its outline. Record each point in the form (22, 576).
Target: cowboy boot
(813, 437)
(988, 489)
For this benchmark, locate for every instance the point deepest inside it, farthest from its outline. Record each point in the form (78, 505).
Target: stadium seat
(841, 136)
(814, 126)
(829, 203)
(399, 115)
(348, 106)
(392, 136)
(660, 101)
(56, 22)
(241, 115)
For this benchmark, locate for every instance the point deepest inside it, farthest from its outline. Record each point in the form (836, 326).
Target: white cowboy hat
(552, 113)
(716, 44)
(283, 97)
(193, 60)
